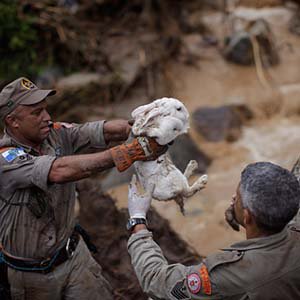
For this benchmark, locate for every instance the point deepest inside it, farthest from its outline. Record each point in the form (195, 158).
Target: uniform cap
(21, 91)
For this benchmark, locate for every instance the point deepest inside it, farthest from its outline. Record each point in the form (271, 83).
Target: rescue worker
(45, 255)
(264, 266)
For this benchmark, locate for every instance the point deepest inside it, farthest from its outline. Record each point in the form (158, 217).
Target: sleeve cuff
(41, 171)
(96, 134)
(142, 234)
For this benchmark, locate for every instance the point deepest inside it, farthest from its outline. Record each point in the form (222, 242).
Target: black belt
(46, 265)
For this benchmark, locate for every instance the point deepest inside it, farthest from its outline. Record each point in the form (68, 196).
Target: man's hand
(140, 148)
(138, 204)
(230, 218)
(117, 130)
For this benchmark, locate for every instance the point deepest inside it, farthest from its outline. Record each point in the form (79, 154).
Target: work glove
(138, 204)
(230, 218)
(140, 148)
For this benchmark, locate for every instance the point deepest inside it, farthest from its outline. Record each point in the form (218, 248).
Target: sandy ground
(275, 139)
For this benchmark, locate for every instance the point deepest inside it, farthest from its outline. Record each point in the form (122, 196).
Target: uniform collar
(9, 140)
(263, 242)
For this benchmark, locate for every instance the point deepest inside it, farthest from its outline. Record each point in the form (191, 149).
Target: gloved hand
(140, 148)
(138, 204)
(230, 218)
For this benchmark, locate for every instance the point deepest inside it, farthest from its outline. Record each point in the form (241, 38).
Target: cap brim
(37, 96)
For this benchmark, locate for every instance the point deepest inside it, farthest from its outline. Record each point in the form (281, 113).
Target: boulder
(184, 149)
(223, 123)
(239, 46)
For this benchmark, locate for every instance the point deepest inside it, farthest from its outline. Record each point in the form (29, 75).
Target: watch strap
(135, 221)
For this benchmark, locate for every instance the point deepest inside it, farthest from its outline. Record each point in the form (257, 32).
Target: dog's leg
(190, 169)
(198, 185)
(180, 201)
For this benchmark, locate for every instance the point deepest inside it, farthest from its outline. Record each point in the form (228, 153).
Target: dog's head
(163, 119)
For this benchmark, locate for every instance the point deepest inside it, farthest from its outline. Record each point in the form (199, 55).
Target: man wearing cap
(46, 257)
(264, 266)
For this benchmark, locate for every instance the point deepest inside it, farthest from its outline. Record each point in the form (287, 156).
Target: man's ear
(11, 121)
(247, 217)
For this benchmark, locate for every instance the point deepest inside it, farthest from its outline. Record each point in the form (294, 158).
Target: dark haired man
(45, 255)
(264, 266)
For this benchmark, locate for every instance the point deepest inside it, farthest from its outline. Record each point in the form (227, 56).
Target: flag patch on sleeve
(10, 154)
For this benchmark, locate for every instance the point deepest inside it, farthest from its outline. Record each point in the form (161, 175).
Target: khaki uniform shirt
(257, 269)
(37, 217)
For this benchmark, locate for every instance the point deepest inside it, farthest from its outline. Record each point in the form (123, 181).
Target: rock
(289, 99)
(221, 123)
(78, 80)
(294, 24)
(125, 57)
(184, 149)
(193, 43)
(48, 77)
(71, 5)
(260, 3)
(239, 46)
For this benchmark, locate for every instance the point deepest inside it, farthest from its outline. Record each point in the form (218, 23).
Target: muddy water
(275, 138)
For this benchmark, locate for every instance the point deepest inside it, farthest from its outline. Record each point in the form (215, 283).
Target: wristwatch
(135, 221)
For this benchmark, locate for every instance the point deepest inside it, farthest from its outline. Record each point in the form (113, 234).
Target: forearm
(75, 167)
(155, 275)
(116, 130)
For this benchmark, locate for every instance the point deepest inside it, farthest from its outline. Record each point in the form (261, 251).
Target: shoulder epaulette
(57, 125)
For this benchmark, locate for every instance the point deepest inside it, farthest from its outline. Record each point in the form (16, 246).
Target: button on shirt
(37, 217)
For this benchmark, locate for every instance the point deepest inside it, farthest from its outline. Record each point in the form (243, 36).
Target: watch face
(132, 222)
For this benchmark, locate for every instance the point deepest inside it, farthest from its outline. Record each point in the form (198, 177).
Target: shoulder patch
(179, 291)
(205, 280)
(194, 283)
(12, 153)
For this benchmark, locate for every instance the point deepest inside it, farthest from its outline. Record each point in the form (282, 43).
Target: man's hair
(271, 193)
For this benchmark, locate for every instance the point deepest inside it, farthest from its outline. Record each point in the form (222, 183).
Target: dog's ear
(142, 110)
(145, 120)
(150, 118)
